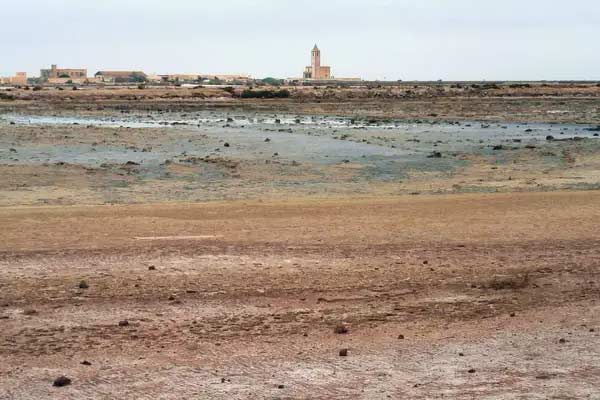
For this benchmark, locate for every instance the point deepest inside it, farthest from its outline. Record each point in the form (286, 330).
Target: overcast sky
(373, 39)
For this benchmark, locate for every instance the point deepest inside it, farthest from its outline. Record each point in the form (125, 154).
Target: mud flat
(72, 158)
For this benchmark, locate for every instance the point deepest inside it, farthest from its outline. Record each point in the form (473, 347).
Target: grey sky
(401, 39)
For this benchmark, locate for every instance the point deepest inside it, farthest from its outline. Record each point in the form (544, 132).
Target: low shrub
(265, 94)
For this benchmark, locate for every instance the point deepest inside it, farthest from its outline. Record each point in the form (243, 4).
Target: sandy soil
(431, 256)
(495, 296)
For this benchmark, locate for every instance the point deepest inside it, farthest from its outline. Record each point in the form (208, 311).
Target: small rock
(30, 312)
(171, 298)
(87, 363)
(280, 387)
(461, 354)
(61, 381)
(549, 137)
(562, 341)
(512, 314)
(340, 329)
(472, 371)
(401, 337)
(124, 323)
(225, 144)
(83, 285)
(344, 353)
(267, 140)
(152, 268)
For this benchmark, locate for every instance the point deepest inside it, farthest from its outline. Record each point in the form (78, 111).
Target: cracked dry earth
(462, 297)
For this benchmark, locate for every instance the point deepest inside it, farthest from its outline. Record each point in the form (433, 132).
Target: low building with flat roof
(20, 78)
(121, 76)
(57, 75)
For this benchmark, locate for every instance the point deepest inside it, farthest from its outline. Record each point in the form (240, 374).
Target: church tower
(316, 62)
(315, 70)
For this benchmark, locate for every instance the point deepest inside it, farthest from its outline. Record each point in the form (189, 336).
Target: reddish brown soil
(240, 300)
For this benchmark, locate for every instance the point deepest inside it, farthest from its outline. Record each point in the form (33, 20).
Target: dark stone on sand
(83, 285)
(401, 337)
(152, 268)
(86, 363)
(562, 341)
(344, 353)
(225, 144)
(549, 137)
(472, 371)
(61, 381)
(340, 329)
(124, 323)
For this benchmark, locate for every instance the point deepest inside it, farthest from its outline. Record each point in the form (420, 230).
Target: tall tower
(316, 62)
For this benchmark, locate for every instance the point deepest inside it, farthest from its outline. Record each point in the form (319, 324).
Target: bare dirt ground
(433, 256)
(461, 296)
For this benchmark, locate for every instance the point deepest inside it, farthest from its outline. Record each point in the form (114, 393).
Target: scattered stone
(592, 330)
(267, 140)
(435, 154)
(549, 137)
(344, 353)
(401, 337)
(461, 354)
(280, 386)
(83, 285)
(340, 329)
(498, 147)
(124, 323)
(562, 341)
(29, 312)
(225, 144)
(512, 314)
(171, 298)
(472, 371)
(86, 363)
(61, 381)
(152, 268)
(543, 377)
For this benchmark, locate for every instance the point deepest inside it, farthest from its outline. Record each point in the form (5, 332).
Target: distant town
(56, 75)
